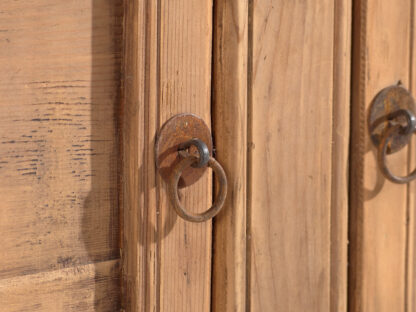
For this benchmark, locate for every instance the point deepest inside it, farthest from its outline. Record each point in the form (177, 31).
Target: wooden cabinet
(309, 223)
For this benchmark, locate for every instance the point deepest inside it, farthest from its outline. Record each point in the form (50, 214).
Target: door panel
(297, 138)
(290, 159)
(60, 65)
(290, 156)
(379, 208)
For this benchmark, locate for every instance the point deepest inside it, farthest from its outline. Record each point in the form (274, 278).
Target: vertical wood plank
(230, 129)
(167, 71)
(411, 204)
(290, 187)
(340, 155)
(140, 83)
(185, 87)
(378, 207)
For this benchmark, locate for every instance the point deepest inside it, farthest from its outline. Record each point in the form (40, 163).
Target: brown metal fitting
(183, 153)
(391, 123)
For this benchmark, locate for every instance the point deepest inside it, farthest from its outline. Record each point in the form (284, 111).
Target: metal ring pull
(202, 150)
(391, 124)
(183, 150)
(381, 158)
(187, 161)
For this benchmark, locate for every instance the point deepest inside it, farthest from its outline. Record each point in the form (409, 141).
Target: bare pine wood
(340, 155)
(378, 207)
(167, 71)
(290, 158)
(87, 287)
(60, 63)
(139, 249)
(185, 87)
(230, 129)
(411, 204)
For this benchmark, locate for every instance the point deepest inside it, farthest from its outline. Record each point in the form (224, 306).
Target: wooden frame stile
(411, 214)
(379, 210)
(230, 60)
(340, 155)
(167, 71)
(410, 304)
(139, 249)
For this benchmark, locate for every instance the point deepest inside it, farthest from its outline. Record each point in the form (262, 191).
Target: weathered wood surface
(87, 287)
(293, 165)
(139, 257)
(167, 71)
(230, 58)
(411, 204)
(340, 155)
(60, 69)
(379, 208)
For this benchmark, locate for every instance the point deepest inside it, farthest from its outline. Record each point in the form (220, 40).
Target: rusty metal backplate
(388, 101)
(177, 130)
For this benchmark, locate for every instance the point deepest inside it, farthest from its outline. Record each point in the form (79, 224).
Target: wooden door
(86, 223)
(276, 93)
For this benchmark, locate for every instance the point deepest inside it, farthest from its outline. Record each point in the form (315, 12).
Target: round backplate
(176, 130)
(388, 101)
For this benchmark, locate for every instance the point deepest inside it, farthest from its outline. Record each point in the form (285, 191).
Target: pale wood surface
(378, 207)
(59, 155)
(139, 244)
(59, 63)
(230, 129)
(340, 155)
(166, 261)
(185, 87)
(291, 135)
(88, 287)
(411, 204)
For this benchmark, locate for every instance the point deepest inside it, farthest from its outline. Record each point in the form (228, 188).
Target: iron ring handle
(381, 157)
(202, 148)
(177, 170)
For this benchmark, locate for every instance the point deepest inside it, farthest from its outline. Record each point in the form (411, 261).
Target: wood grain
(378, 207)
(230, 130)
(410, 304)
(139, 247)
(290, 139)
(60, 64)
(87, 287)
(185, 86)
(340, 155)
(167, 71)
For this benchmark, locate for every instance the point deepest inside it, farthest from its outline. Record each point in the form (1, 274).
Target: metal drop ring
(202, 148)
(381, 157)
(177, 170)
